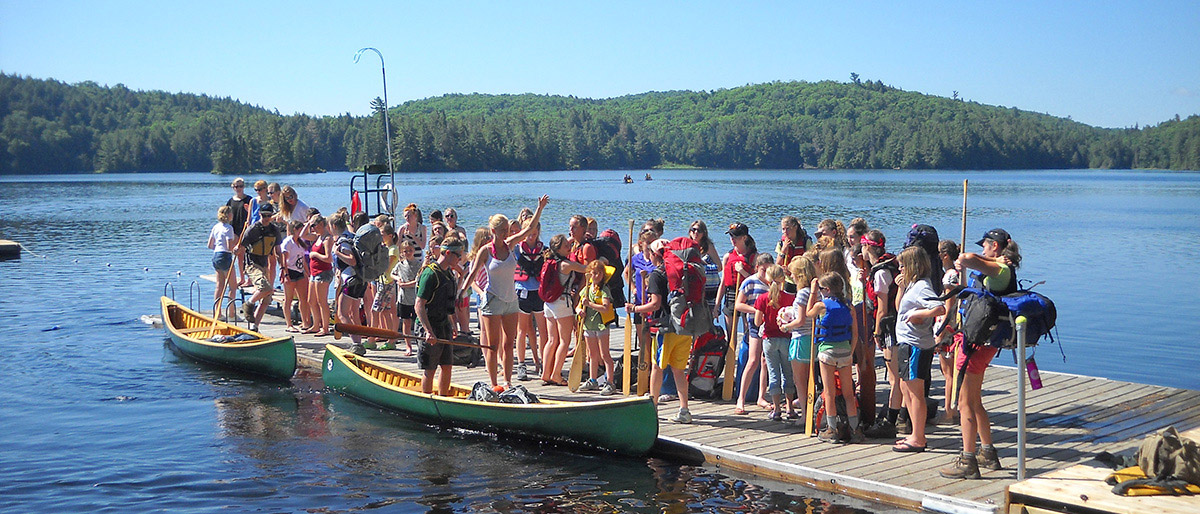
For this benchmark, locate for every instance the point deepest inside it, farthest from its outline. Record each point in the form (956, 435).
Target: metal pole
(1020, 328)
(387, 128)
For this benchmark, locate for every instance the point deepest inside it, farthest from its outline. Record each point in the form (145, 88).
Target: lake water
(100, 416)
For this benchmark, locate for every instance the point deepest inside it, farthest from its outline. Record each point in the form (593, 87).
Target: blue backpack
(987, 318)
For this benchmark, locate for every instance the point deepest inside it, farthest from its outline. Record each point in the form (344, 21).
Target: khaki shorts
(258, 276)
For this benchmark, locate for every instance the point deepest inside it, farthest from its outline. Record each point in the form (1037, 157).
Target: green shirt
(1000, 281)
(438, 288)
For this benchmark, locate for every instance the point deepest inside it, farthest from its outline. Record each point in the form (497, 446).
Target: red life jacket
(790, 251)
(747, 261)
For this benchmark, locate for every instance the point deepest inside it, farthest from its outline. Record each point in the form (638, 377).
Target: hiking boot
(590, 385)
(843, 431)
(882, 429)
(988, 459)
(358, 349)
(965, 466)
(857, 436)
(904, 423)
(522, 373)
(828, 435)
(683, 416)
(608, 390)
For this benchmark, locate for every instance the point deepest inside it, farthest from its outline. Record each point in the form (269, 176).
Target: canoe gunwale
(432, 407)
(263, 356)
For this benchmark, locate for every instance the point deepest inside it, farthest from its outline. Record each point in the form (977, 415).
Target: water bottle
(1035, 378)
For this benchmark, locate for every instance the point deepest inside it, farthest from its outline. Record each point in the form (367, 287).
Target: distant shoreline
(677, 167)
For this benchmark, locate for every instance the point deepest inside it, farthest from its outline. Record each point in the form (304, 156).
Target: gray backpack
(369, 251)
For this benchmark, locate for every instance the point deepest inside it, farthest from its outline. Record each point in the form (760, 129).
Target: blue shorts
(913, 363)
(222, 261)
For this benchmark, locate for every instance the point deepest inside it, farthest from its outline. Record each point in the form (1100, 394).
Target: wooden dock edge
(863, 489)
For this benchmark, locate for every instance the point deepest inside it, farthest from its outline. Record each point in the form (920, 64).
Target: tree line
(48, 126)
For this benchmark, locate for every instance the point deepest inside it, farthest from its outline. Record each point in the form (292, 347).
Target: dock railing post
(1020, 331)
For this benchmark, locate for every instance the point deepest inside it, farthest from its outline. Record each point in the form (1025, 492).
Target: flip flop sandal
(904, 447)
(739, 411)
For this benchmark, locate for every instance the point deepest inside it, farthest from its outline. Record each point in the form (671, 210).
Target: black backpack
(926, 237)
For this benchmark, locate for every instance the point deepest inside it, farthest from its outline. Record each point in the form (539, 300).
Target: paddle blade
(730, 360)
(577, 363)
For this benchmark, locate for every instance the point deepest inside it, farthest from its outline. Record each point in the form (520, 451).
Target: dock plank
(1071, 418)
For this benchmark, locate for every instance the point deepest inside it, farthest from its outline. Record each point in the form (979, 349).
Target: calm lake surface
(100, 416)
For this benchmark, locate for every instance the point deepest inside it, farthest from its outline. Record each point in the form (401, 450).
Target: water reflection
(326, 453)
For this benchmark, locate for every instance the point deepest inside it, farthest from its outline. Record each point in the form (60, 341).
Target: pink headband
(868, 242)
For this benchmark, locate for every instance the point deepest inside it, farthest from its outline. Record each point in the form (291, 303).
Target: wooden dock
(1070, 420)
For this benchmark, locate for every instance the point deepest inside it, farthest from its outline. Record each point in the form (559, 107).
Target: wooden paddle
(731, 353)
(627, 356)
(347, 328)
(954, 378)
(645, 350)
(809, 415)
(580, 357)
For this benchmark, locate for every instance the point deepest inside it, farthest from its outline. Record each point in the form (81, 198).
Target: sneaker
(683, 416)
(964, 466)
(522, 373)
(882, 429)
(590, 385)
(358, 349)
(987, 458)
(370, 345)
(608, 390)
(387, 346)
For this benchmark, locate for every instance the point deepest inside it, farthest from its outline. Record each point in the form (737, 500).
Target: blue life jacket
(835, 325)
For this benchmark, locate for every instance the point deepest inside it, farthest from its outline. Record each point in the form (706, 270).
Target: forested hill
(49, 126)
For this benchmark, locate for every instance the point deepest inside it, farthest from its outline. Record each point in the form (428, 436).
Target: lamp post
(387, 128)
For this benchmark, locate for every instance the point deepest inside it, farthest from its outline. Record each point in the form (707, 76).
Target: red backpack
(689, 313)
(550, 286)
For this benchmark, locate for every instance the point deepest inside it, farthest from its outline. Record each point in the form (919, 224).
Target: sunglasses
(258, 189)
(238, 186)
(272, 192)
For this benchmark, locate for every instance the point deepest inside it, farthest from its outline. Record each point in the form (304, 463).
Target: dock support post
(1020, 330)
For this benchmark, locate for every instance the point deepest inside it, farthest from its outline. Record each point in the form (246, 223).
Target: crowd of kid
(839, 285)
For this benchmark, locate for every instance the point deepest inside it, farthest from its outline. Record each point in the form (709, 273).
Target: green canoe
(627, 426)
(190, 330)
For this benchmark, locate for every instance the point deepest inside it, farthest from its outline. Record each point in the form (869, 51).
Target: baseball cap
(997, 234)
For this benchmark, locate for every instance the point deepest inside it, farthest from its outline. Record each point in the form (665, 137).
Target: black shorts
(295, 276)
(354, 287)
(431, 356)
(529, 301)
(408, 311)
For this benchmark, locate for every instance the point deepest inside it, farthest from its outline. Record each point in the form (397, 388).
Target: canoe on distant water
(190, 331)
(627, 426)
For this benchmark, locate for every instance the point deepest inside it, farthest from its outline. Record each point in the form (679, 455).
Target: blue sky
(1111, 64)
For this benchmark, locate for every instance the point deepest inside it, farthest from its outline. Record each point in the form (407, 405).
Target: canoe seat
(193, 330)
